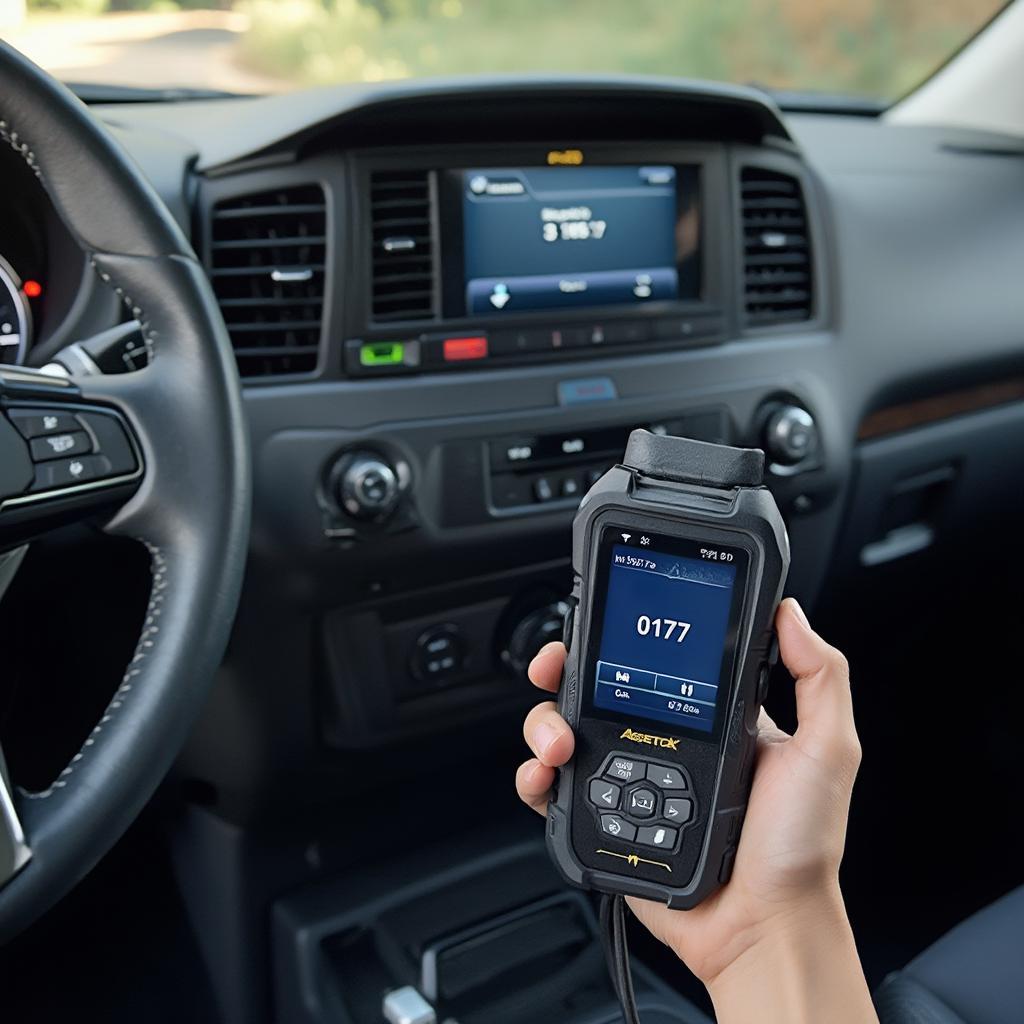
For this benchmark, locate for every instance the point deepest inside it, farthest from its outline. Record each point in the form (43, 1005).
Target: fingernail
(800, 613)
(544, 736)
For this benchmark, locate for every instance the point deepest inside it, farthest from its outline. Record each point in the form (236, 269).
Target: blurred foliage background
(874, 48)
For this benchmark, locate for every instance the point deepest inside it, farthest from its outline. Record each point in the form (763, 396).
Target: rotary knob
(790, 435)
(532, 632)
(367, 487)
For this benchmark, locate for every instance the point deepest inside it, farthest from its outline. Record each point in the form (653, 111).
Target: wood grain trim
(894, 418)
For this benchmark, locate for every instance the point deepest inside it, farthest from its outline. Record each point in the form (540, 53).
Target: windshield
(876, 49)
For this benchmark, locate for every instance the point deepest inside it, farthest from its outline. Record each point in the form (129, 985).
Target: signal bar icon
(625, 536)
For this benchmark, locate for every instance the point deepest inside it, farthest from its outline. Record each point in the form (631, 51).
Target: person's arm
(775, 944)
(804, 969)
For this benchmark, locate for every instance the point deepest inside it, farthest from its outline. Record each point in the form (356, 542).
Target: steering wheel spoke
(15, 852)
(63, 456)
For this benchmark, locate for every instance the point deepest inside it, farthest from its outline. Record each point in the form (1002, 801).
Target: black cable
(616, 950)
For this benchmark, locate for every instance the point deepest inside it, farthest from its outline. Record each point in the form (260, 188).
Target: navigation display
(555, 237)
(665, 633)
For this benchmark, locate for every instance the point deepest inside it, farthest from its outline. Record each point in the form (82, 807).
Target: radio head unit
(507, 260)
(524, 239)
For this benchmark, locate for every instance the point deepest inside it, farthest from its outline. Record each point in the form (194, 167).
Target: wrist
(799, 965)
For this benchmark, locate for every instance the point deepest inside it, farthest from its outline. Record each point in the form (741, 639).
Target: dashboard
(450, 301)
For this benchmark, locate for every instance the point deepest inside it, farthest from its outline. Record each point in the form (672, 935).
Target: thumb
(824, 705)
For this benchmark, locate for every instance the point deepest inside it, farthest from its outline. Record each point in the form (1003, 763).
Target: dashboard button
(40, 422)
(626, 331)
(666, 777)
(463, 349)
(619, 828)
(60, 446)
(438, 654)
(684, 329)
(657, 835)
(605, 794)
(570, 337)
(570, 487)
(542, 489)
(510, 343)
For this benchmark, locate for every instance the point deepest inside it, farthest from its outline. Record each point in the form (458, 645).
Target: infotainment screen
(536, 238)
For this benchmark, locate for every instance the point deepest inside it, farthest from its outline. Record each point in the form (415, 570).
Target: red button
(464, 348)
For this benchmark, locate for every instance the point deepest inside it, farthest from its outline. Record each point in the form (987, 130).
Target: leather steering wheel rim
(191, 508)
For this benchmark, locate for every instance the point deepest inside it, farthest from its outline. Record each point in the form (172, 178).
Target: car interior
(299, 395)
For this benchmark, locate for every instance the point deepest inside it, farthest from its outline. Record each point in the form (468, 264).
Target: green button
(382, 353)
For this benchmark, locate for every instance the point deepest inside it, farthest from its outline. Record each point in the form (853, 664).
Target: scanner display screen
(667, 612)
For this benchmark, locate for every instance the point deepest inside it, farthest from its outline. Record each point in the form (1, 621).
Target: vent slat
(266, 269)
(776, 249)
(266, 259)
(247, 212)
(268, 242)
(403, 280)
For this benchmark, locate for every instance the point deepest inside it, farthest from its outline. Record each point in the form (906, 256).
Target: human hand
(785, 882)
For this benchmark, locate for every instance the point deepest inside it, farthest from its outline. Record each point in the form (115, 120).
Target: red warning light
(32, 289)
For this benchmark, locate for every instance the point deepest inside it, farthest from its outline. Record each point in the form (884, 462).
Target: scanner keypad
(652, 801)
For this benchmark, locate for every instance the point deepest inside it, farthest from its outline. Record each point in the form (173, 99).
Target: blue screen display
(666, 619)
(557, 237)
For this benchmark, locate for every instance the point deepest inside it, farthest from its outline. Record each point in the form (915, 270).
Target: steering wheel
(168, 464)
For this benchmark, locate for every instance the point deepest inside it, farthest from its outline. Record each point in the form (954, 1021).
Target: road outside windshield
(870, 48)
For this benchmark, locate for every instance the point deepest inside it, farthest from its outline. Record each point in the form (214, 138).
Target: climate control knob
(790, 435)
(367, 486)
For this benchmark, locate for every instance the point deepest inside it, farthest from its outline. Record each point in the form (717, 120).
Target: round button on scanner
(641, 803)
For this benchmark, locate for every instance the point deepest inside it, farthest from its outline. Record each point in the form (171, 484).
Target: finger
(824, 705)
(533, 784)
(548, 735)
(768, 731)
(545, 670)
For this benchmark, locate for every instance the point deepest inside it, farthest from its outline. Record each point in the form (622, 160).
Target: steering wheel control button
(625, 769)
(666, 777)
(60, 446)
(42, 422)
(605, 794)
(657, 835)
(678, 810)
(61, 473)
(439, 654)
(617, 827)
(641, 803)
(111, 439)
(15, 464)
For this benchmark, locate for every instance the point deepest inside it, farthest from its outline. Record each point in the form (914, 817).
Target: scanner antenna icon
(626, 536)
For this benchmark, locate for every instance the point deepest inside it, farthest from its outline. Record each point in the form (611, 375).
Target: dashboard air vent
(403, 259)
(776, 249)
(267, 256)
